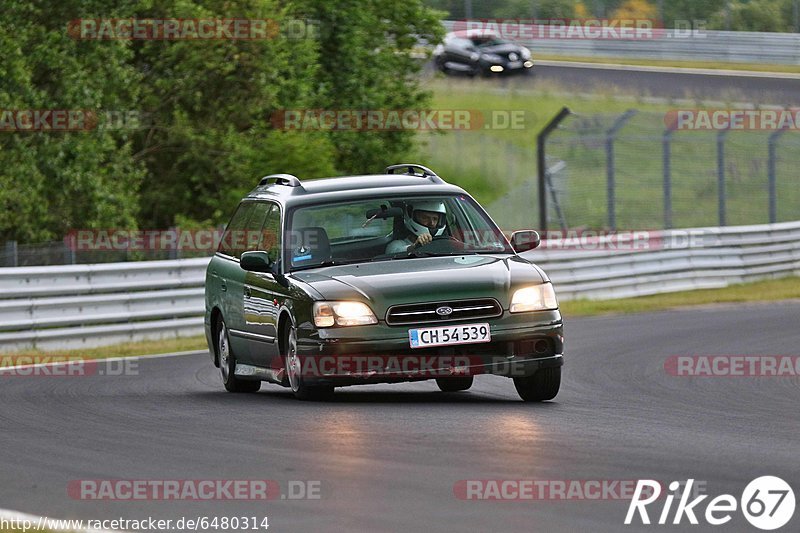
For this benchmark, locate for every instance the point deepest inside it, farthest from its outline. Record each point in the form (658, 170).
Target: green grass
(129, 349)
(759, 291)
(499, 166)
(719, 65)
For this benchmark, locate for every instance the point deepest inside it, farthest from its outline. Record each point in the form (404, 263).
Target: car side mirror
(256, 261)
(525, 240)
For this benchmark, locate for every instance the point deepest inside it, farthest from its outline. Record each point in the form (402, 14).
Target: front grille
(400, 315)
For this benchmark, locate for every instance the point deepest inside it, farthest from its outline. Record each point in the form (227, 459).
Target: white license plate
(449, 335)
(515, 64)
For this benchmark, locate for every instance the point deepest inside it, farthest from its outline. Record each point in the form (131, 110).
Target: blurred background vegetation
(205, 135)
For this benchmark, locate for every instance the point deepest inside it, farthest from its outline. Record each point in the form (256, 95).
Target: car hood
(386, 283)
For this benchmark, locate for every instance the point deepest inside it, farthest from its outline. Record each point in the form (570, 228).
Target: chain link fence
(499, 173)
(632, 171)
(607, 172)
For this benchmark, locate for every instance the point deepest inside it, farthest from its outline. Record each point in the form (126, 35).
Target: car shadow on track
(342, 396)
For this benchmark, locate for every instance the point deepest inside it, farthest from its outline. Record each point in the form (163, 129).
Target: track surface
(388, 456)
(676, 84)
(670, 85)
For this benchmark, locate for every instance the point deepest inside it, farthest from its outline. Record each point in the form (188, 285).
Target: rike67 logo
(767, 503)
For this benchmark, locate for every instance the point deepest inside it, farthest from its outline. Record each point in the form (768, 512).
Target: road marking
(671, 70)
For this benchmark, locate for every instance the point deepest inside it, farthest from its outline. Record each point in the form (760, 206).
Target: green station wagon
(377, 279)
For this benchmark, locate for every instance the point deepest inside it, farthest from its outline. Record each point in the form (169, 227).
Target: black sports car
(481, 52)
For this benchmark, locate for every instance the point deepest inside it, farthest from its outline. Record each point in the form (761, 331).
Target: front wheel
(454, 384)
(301, 390)
(541, 386)
(227, 364)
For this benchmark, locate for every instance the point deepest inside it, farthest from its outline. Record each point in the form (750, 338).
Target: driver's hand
(423, 239)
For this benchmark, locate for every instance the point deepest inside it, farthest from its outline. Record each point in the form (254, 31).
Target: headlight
(537, 298)
(327, 314)
(492, 58)
(526, 54)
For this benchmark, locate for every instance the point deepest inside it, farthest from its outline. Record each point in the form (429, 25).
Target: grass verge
(759, 291)
(128, 349)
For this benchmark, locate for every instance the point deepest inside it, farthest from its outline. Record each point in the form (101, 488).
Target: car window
(345, 222)
(232, 239)
(488, 41)
(271, 233)
(349, 232)
(247, 229)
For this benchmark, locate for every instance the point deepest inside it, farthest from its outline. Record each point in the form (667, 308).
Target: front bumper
(520, 345)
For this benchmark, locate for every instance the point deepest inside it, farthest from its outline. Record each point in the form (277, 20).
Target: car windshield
(484, 41)
(387, 228)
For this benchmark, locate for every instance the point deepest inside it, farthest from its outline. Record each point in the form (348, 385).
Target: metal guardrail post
(541, 142)
(611, 185)
(772, 174)
(721, 175)
(667, 143)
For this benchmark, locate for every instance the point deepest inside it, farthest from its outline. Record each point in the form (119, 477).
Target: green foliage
(365, 63)
(753, 15)
(51, 182)
(204, 107)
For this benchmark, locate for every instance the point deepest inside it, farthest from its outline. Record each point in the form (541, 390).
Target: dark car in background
(483, 52)
(377, 279)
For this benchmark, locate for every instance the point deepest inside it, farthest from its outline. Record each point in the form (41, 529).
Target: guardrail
(76, 306)
(81, 306)
(676, 260)
(677, 45)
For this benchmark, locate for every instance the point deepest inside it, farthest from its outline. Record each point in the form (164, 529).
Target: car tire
(227, 364)
(541, 386)
(301, 390)
(454, 384)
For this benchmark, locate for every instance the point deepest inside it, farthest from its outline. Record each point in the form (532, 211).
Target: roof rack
(413, 169)
(280, 179)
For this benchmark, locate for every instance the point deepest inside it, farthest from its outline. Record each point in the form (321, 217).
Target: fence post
(11, 254)
(772, 174)
(541, 141)
(667, 143)
(173, 252)
(611, 185)
(70, 243)
(721, 174)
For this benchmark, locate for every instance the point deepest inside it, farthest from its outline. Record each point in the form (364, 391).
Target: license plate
(449, 335)
(515, 64)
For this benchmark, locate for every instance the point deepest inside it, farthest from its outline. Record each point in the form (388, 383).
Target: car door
(229, 277)
(263, 294)
(462, 51)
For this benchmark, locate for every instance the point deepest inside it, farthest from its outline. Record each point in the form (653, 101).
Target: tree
(209, 137)
(365, 63)
(755, 15)
(635, 9)
(51, 182)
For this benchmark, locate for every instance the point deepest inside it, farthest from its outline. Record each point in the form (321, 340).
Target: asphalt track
(388, 456)
(726, 87)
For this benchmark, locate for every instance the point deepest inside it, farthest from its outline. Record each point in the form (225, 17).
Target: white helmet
(432, 206)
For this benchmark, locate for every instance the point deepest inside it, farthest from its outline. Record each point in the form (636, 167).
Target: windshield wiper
(324, 264)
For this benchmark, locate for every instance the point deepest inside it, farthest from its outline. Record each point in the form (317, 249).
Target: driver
(424, 221)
